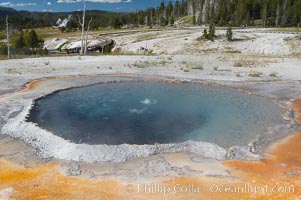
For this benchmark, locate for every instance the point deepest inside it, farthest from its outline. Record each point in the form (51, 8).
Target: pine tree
(176, 9)
(229, 33)
(183, 8)
(284, 11)
(32, 39)
(162, 14)
(116, 23)
(199, 19)
(107, 49)
(172, 21)
(277, 14)
(207, 10)
(20, 42)
(264, 13)
(169, 9)
(222, 12)
(212, 14)
(193, 19)
(211, 34)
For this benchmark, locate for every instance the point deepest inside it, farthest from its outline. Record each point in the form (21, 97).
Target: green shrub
(198, 66)
(211, 34)
(229, 34)
(273, 74)
(255, 74)
(107, 49)
(3, 50)
(237, 64)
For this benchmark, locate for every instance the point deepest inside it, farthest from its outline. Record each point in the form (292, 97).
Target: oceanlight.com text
(253, 189)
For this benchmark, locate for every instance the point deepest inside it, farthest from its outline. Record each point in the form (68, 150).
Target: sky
(74, 5)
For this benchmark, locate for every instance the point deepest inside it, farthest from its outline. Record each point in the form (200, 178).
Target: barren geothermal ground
(35, 164)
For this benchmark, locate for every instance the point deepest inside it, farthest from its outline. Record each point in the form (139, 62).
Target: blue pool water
(149, 113)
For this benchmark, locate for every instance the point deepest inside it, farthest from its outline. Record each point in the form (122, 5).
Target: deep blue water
(148, 113)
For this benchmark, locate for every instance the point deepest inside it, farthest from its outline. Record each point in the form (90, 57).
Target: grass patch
(273, 74)
(298, 30)
(198, 67)
(147, 63)
(2, 35)
(230, 50)
(185, 20)
(184, 63)
(244, 63)
(255, 74)
(145, 37)
(238, 74)
(191, 65)
(237, 64)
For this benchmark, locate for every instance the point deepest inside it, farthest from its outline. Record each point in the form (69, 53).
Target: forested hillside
(245, 12)
(265, 13)
(28, 20)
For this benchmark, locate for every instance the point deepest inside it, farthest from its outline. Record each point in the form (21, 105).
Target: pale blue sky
(73, 5)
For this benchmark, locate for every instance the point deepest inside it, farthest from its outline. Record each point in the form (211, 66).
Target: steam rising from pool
(149, 113)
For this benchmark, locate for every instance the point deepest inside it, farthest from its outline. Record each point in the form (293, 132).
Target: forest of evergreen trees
(265, 13)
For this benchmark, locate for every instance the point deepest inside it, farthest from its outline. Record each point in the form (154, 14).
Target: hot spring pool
(149, 113)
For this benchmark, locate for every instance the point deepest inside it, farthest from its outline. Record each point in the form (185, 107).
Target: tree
(163, 21)
(212, 14)
(176, 9)
(211, 34)
(264, 13)
(116, 23)
(3, 50)
(20, 42)
(62, 29)
(193, 19)
(229, 33)
(172, 21)
(277, 14)
(199, 20)
(107, 49)
(71, 25)
(150, 21)
(162, 14)
(33, 40)
(182, 8)
(169, 9)
(284, 11)
(207, 10)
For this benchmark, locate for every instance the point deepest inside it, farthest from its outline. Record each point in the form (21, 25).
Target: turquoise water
(149, 113)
